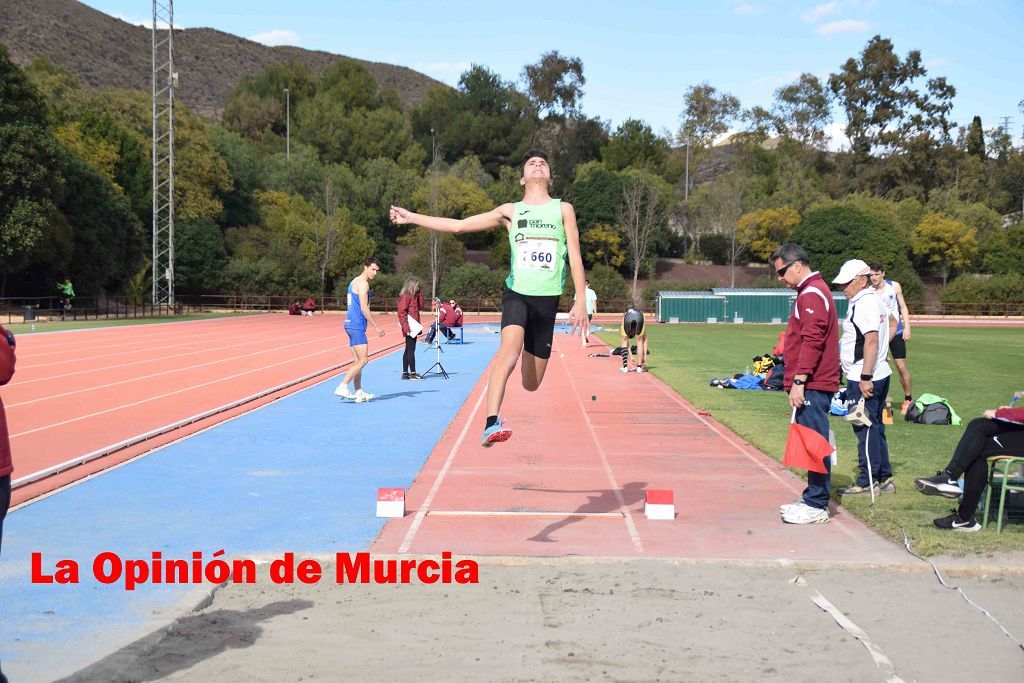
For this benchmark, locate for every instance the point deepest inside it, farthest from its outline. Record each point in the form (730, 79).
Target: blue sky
(639, 57)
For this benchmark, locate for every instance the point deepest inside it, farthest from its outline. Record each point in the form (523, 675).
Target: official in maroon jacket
(7, 360)
(410, 302)
(812, 368)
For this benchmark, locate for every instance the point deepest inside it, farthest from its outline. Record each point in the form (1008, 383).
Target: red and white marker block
(391, 502)
(660, 505)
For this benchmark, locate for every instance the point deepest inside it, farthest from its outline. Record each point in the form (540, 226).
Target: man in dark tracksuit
(812, 368)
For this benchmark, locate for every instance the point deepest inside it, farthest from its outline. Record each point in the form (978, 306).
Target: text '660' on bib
(537, 253)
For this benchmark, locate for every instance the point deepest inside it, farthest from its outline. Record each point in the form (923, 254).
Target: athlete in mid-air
(543, 236)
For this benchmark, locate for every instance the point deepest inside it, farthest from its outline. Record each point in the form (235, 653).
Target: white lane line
(521, 513)
(626, 514)
(425, 505)
(218, 380)
(172, 371)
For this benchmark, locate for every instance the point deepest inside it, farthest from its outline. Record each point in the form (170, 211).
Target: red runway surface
(571, 480)
(76, 393)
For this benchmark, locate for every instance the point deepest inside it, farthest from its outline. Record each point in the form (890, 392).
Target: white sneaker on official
(344, 392)
(802, 513)
(787, 506)
(361, 396)
(625, 370)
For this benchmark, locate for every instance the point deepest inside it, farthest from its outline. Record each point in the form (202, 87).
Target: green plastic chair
(1009, 469)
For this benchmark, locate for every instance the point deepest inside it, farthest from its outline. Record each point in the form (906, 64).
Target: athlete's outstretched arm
(498, 217)
(578, 315)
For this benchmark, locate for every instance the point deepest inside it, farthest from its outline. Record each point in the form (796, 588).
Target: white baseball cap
(851, 269)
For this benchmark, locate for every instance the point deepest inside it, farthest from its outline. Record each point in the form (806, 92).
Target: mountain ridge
(107, 52)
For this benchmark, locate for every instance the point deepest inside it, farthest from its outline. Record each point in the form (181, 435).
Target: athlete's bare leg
(355, 371)
(504, 363)
(533, 369)
(901, 367)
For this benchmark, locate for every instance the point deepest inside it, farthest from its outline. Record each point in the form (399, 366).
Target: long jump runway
(572, 479)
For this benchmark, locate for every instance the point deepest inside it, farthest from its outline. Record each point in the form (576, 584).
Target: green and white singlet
(539, 252)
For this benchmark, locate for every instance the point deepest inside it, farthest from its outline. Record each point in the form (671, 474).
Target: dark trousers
(409, 357)
(5, 503)
(969, 458)
(814, 414)
(433, 330)
(874, 435)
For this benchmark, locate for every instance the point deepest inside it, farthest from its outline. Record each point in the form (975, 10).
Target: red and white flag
(806, 449)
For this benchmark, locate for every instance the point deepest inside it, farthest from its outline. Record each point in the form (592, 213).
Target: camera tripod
(436, 344)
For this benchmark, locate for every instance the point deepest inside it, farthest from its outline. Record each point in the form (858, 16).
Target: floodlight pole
(165, 81)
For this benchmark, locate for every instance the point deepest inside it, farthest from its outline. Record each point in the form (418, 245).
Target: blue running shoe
(496, 433)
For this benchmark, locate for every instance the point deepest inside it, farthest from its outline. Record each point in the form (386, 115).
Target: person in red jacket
(410, 301)
(450, 316)
(981, 440)
(811, 355)
(309, 308)
(7, 360)
(294, 309)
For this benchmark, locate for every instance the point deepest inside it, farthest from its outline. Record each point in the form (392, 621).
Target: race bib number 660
(537, 254)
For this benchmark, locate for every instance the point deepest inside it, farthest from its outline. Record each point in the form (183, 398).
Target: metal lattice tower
(165, 80)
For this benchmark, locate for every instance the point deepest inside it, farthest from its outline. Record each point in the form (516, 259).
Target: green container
(689, 307)
(757, 305)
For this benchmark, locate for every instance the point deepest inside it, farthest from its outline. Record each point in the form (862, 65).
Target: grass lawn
(975, 368)
(56, 325)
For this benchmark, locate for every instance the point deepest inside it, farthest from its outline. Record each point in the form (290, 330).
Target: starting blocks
(660, 505)
(391, 502)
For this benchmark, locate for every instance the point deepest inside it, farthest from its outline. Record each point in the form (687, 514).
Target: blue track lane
(300, 475)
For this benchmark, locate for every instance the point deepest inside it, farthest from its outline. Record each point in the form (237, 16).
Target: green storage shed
(689, 307)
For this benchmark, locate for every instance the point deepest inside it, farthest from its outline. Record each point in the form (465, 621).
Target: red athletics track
(75, 393)
(571, 480)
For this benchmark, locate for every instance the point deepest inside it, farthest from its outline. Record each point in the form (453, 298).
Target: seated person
(309, 307)
(633, 328)
(450, 316)
(976, 444)
(294, 309)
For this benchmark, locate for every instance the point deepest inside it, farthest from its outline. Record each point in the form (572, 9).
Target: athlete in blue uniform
(357, 316)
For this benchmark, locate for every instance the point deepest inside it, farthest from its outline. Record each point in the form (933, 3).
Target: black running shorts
(898, 347)
(536, 315)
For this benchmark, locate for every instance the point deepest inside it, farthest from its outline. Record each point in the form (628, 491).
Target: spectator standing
(410, 303)
(67, 293)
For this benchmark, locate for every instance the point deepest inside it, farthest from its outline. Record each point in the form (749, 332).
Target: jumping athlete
(542, 234)
(633, 328)
(357, 316)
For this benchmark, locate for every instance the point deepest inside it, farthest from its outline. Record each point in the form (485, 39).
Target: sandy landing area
(576, 620)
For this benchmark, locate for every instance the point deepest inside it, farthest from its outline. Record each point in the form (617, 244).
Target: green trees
(834, 234)
(763, 231)
(944, 243)
(635, 144)
(485, 117)
(884, 109)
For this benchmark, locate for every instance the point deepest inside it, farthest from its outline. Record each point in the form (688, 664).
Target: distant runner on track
(542, 234)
